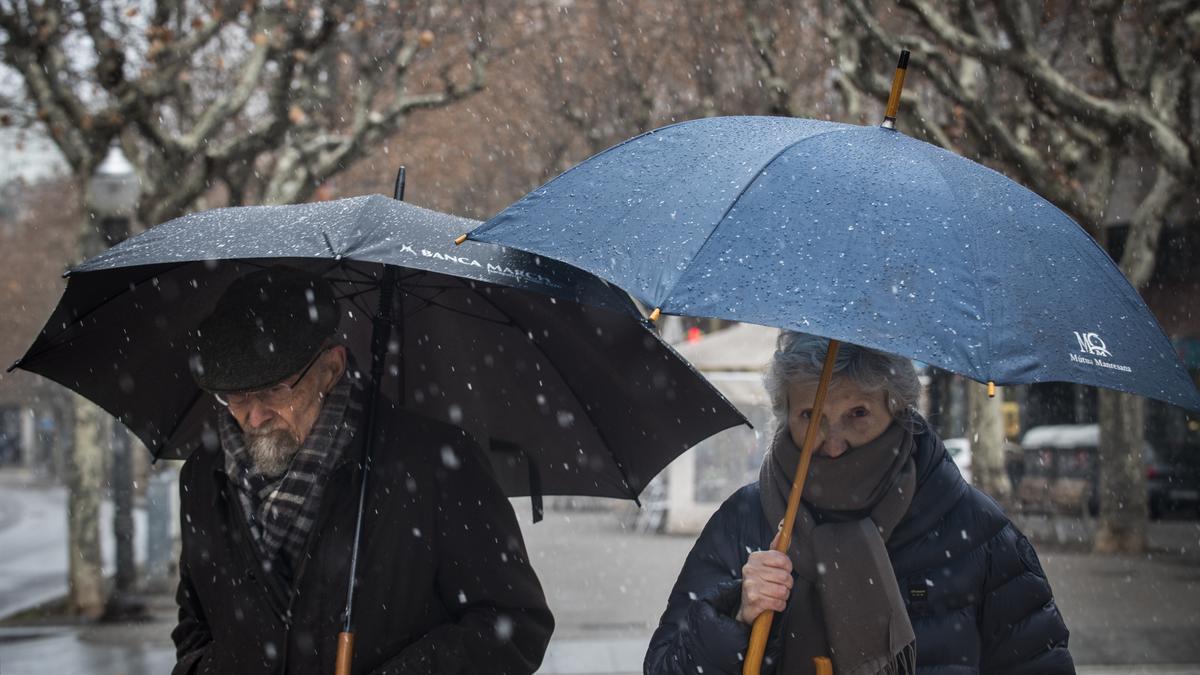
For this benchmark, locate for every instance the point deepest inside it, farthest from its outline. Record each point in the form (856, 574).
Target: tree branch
(1073, 99)
(110, 58)
(230, 104)
(762, 38)
(1137, 260)
(1003, 137)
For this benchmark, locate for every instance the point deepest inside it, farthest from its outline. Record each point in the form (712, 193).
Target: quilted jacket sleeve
(1021, 627)
(698, 631)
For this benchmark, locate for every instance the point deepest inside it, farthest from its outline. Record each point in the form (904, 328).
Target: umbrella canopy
(859, 234)
(553, 371)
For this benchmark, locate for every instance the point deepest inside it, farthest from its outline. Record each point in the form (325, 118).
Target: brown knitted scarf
(846, 602)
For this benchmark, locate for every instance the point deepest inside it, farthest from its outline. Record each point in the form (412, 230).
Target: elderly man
(268, 513)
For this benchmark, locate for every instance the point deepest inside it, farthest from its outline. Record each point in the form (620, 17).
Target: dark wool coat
(975, 591)
(444, 584)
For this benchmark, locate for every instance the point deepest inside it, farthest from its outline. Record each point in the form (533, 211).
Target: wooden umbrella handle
(345, 653)
(893, 104)
(762, 624)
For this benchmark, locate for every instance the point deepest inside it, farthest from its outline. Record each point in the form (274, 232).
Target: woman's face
(851, 416)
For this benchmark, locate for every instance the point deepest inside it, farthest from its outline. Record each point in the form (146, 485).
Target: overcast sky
(29, 155)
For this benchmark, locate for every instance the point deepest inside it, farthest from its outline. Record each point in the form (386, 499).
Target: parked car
(1173, 479)
(1061, 472)
(960, 452)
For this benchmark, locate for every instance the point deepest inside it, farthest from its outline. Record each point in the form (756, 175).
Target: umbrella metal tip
(461, 238)
(991, 389)
(655, 314)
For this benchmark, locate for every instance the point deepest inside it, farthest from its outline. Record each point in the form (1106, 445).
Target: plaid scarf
(282, 511)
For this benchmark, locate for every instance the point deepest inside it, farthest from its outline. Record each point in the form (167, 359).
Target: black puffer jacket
(976, 593)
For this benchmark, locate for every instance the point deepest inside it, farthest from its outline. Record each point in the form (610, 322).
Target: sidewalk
(1175, 535)
(33, 542)
(607, 587)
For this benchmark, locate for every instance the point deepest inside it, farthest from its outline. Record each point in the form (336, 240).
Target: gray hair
(799, 357)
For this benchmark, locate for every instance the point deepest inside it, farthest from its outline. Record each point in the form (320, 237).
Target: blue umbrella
(859, 234)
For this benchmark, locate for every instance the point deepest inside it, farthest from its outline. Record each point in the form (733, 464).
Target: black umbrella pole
(762, 624)
(380, 334)
(398, 190)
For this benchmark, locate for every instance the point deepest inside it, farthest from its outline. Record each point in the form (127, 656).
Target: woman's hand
(766, 583)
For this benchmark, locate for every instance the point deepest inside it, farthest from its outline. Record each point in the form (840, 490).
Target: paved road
(607, 587)
(1126, 614)
(33, 544)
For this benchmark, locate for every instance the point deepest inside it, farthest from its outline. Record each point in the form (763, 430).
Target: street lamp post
(113, 194)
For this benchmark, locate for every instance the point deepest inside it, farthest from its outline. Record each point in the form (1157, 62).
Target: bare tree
(1063, 96)
(594, 74)
(609, 71)
(244, 101)
(985, 423)
(265, 100)
(569, 79)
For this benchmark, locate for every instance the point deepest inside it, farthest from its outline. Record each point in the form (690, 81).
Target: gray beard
(271, 452)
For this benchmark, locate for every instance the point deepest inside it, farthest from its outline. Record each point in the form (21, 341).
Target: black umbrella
(553, 371)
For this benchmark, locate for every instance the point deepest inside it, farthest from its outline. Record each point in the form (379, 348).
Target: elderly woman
(896, 564)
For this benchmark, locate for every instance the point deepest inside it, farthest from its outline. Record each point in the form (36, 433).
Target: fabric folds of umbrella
(855, 233)
(551, 370)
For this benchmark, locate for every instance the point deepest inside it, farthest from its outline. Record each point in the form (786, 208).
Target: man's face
(276, 421)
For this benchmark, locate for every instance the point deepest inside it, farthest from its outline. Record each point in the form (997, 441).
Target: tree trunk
(1122, 488)
(986, 430)
(670, 328)
(122, 492)
(1123, 511)
(85, 472)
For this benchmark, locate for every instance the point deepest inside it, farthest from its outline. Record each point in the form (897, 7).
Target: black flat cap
(265, 327)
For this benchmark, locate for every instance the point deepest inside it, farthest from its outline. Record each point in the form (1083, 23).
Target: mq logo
(1091, 343)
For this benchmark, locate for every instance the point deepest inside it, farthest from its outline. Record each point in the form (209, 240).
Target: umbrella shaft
(762, 624)
(381, 332)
